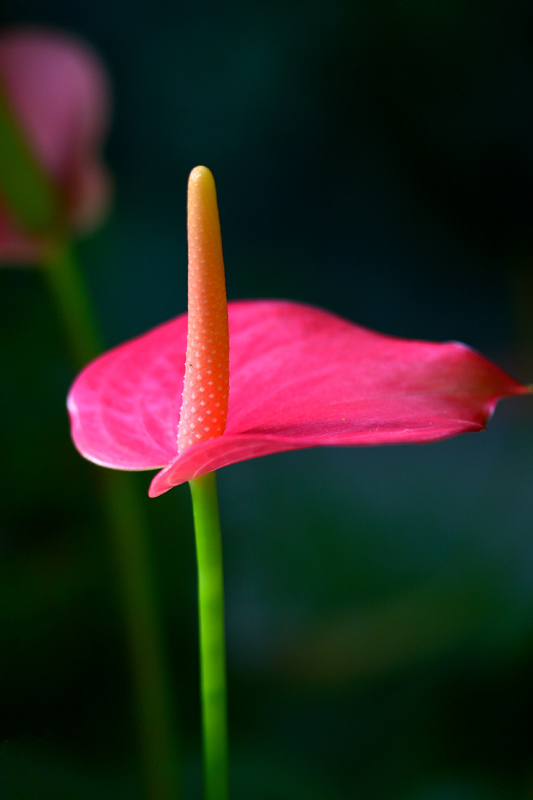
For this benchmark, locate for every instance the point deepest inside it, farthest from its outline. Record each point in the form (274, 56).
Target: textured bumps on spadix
(204, 406)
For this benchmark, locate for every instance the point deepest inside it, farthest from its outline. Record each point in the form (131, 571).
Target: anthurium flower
(298, 377)
(56, 93)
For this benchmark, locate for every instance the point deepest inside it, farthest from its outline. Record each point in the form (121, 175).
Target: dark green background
(374, 158)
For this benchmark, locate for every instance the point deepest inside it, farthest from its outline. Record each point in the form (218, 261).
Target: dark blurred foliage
(376, 159)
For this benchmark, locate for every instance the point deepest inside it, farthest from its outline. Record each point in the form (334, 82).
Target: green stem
(150, 673)
(212, 637)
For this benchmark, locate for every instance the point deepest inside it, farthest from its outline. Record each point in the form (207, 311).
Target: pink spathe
(299, 377)
(59, 93)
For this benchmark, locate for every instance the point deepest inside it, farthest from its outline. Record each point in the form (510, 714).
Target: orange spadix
(204, 407)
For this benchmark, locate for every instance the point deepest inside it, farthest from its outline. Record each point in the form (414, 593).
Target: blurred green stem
(153, 693)
(212, 636)
(72, 302)
(151, 678)
(27, 192)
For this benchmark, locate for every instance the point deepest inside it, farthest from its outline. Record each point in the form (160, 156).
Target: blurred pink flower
(59, 94)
